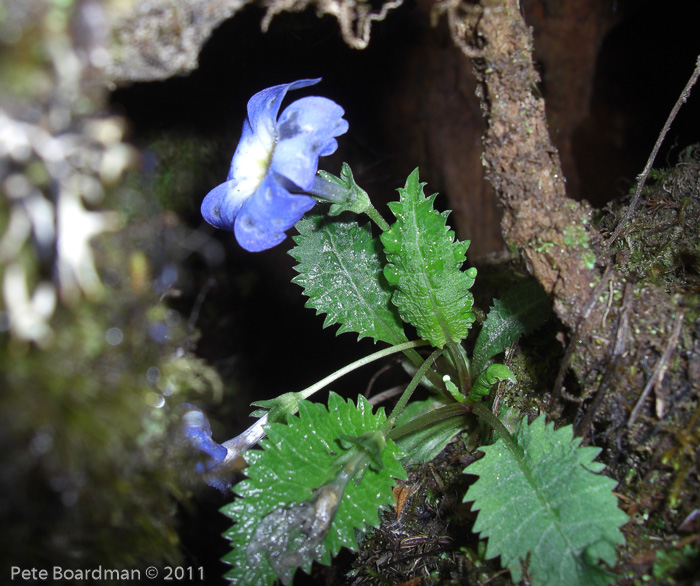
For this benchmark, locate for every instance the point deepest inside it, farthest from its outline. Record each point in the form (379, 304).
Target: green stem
(251, 436)
(462, 368)
(307, 392)
(429, 419)
(415, 381)
(376, 217)
(431, 375)
(485, 413)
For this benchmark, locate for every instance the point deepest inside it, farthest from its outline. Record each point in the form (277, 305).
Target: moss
(575, 235)
(540, 246)
(85, 451)
(674, 566)
(589, 259)
(660, 243)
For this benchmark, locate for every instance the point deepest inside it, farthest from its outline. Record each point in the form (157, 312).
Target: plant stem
(241, 443)
(485, 413)
(376, 217)
(462, 368)
(307, 392)
(429, 419)
(641, 179)
(415, 381)
(431, 375)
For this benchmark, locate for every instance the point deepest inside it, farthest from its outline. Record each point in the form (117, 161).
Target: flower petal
(264, 106)
(264, 218)
(222, 204)
(306, 130)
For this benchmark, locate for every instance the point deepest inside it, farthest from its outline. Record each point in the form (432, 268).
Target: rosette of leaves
(295, 506)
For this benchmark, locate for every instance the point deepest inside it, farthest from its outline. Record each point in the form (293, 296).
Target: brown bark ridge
(523, 165)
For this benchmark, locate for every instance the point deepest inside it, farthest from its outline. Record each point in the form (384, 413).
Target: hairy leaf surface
(340, 268)
(522, 309)
(425, 265)
(291, 486)
(553, 507)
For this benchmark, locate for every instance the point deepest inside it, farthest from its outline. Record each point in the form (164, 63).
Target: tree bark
(615, 326)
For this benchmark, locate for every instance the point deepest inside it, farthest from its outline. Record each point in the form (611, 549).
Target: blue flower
(197, 431)
(274, 166)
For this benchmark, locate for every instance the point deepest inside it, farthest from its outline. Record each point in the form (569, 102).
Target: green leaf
(550, 508)
(522, 309)
(432, 292)
(340, 268)
(293, 485)
(492, 375)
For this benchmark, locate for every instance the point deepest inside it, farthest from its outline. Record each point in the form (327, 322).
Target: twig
(198, 302)
(660, 369)
(611, 294)
(375, 377)
(556, 392)
(642, 178)
(386, 395)
(617, 351)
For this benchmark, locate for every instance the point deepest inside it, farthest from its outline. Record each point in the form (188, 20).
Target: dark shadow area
(642, 66)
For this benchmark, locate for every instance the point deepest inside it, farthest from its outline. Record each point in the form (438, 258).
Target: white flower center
(251, 164)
